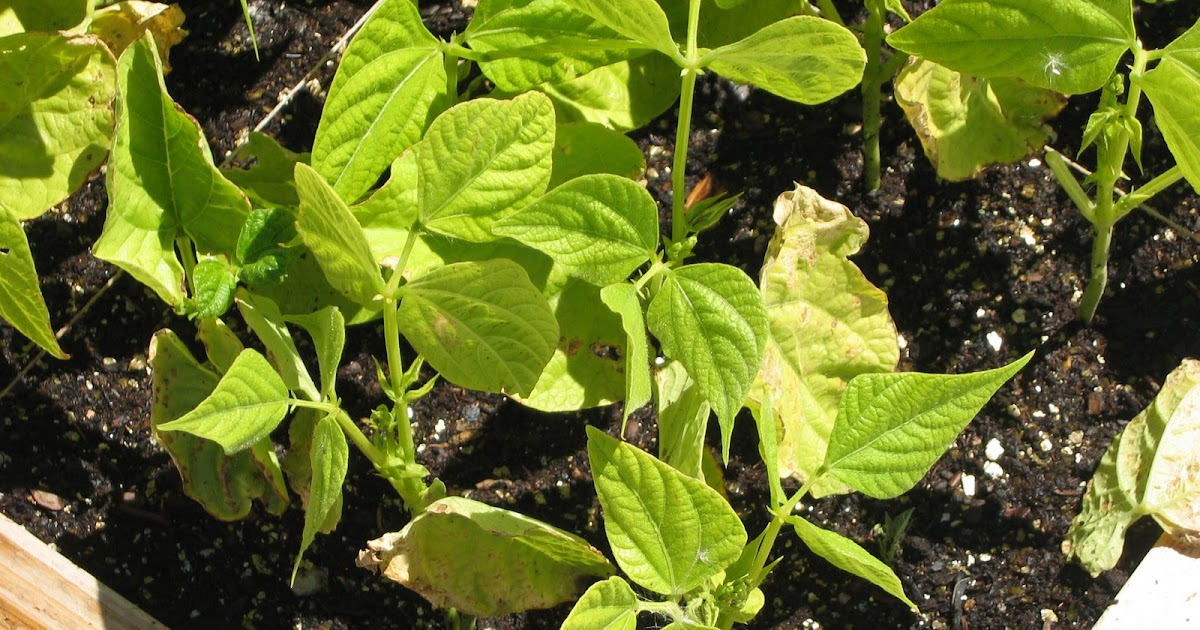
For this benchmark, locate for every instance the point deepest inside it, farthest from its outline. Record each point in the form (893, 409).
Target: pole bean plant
(499, 238)
(1075, 47)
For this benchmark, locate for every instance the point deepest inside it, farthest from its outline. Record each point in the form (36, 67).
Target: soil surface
(977, 273)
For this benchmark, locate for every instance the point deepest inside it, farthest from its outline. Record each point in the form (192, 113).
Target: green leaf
(1070, 46)
(600, 227)
(261, 245)
(391, 83)
(804, 58)
(640, 20)
(720, 25)
(306, 289)
(481, 160)
(584, 148)
(1150, 468)
(327, 328)
(214, 284)
(162, 183)
(529, 563)
(682, 420)
(21, 302)
(966, 123)
(248, 403)
(891, 428)
(768, 447)
(621, 96)
(395, 25)
(669, 532)
(336, 239)
(1170, 87)
(224, 485)
(828, 324)
(329, 458)
(297, 464)
(589, 363)
(269, 180)
(607, 605)
(848, 556)
(56, 117)
(18, 16)
(895, 6)
(390, 212)
(379, 112)
(264, 318)
(711, 319)
(622, 299)
(540, 41)
(221, 344)
(482, 325)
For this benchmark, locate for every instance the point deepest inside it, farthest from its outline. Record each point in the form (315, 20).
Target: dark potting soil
(977, 273)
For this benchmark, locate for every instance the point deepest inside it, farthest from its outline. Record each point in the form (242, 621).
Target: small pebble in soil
(968, 485)
(995, 340)
(993, 470)
(993, 450)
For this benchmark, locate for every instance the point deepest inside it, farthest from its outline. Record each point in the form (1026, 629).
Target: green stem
(1067, 180)
(361, 441)
(450, 67)
(830, 12)
(683, 129)
(1099, 272)
(1146, 191)
(187, 255)
(872, 84)
(1109, 168)
(778, 518)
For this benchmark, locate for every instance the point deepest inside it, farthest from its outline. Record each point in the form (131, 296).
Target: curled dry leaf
(123, 23)
(485, 561)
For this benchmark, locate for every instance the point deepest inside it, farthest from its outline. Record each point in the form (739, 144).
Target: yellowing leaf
(526, 563)
(828, 324)
(123, 23)
(966, 123)
(1152, 467)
